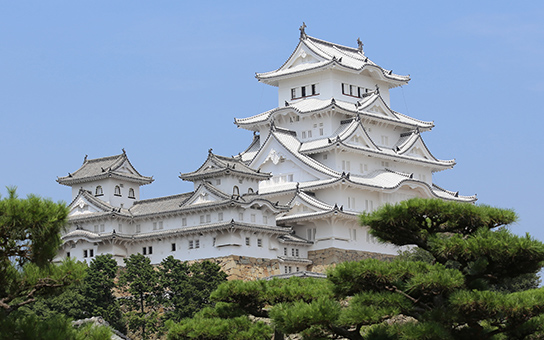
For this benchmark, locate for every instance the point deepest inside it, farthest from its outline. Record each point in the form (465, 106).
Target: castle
(289, 203)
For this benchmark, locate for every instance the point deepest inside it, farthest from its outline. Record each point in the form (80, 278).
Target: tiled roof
(294, 239)
(106, 167)
(312, 105)
(377, 180)
(330, 54)
(397, 152)
(106, 209)
(92, 236)
(216, 166)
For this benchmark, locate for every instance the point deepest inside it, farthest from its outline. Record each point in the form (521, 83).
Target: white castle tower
(289, 203)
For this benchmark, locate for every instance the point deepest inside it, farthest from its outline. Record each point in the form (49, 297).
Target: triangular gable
(204, 194)
(377, 106)
(417, 149)
(126, 167)
(273, 152)
(303, 204)
(85, 204)
(357, 136)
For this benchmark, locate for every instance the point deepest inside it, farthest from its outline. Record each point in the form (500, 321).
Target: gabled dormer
(112, 179)
(229, 174)
(325, 70)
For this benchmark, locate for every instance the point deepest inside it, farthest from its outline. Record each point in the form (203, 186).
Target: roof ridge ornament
(85, 159)
(360, 45)
(377, 89)
(302, 31)
(124, 152)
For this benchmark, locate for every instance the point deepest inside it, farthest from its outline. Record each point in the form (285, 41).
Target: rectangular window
(290, 177)
(296, 253)
(85, 253)
(303, 134)
(183, 221)
(154, 225)
(369, 205)
(343, 88)
(351, 202)
(68, 254)
(285, 269)
(241, 216)
(297, 269)
(353, 235)
(96, 228)
(144, 250)
(247, 241)
(385, 164)
(150, 250)
(138, 228)
(385, 140)
(197, 243)
(309, 133)
(359, 94)
(284, 251)
(293, 252)
(253, 218)
(260, 242)
(290, 269)
(346, 165)
(120, 227)
(265, 219)
(303, 91)
(220, 216)
(315, 125)
(313, 90)
(351, 90)
(173, 247)
(202, 219)
(218, 181)
(213, 242)
(321, 131)
(311, 234)
(208, 218)
(325, 156)
(191, 244)
(91, 252)
(293, 93)
(160, 225)
(363, 168)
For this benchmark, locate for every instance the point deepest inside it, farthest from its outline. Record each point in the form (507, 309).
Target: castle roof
(314, 105)
(117, 166)
(312, 55)
(217, 166)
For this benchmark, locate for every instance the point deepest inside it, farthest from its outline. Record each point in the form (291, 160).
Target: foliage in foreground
(470, 280)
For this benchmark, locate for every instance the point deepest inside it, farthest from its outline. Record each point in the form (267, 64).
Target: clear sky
(164, 80)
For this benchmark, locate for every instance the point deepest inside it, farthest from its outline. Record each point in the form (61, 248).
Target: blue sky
(164, 80)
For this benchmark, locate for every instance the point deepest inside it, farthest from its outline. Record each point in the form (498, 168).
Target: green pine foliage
(468, 277)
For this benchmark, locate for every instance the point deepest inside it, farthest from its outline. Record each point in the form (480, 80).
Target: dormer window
(131, 193)
(99, 191)
(353, 90)
(117, 191)
(304, 91)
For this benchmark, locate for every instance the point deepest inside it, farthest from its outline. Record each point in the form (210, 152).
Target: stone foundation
(250, 268)
(246, 268)
(325, 258)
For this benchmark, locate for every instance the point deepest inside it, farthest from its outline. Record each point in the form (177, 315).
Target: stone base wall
(246, 268)
(250, 268)
(325, 258)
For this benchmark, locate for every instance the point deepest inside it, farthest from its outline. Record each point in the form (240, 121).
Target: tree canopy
(462, 281)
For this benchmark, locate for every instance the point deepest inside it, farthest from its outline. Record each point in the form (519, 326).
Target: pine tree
(140, 281)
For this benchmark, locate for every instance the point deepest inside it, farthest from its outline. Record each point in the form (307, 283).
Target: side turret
(112, 179)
